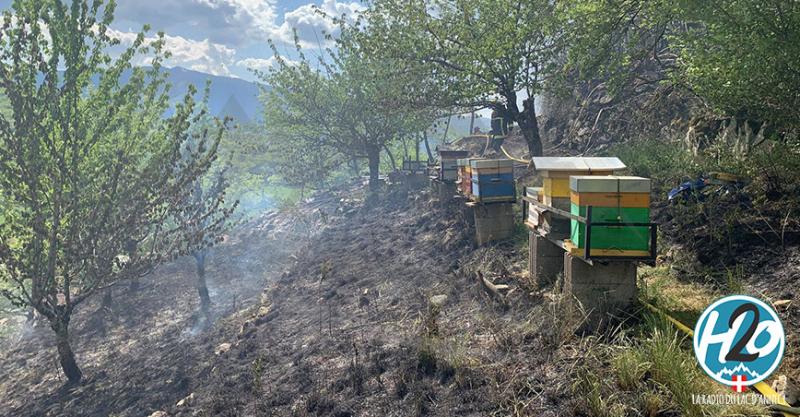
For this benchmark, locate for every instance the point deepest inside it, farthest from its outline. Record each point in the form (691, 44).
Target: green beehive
(614, 199)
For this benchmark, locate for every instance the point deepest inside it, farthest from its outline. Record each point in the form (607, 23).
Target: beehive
(555, 173)
(492, 180)
(448, 168)
(464, 176)
(614, 199)
(532, 219)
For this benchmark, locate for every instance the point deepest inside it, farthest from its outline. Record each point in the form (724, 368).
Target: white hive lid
(606, 163)
(608, 184)
(532, 191)
(491, 163)
(577, 163)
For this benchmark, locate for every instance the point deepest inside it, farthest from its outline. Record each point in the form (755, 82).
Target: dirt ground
(145, 351)
(350, 329)
(345, 326)
(342, 308)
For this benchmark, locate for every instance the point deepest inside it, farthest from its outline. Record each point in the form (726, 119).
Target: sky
(227, 37)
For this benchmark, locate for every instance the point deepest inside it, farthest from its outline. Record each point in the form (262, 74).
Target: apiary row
(609, 212)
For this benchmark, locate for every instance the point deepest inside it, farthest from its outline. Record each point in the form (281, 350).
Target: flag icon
(738, 385)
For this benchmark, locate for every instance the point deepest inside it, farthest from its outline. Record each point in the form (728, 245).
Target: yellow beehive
(556, 171)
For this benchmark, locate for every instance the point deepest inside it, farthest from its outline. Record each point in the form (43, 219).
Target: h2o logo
(739, 341)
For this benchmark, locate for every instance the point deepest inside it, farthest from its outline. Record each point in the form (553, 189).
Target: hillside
(225, 92)
(342, 308)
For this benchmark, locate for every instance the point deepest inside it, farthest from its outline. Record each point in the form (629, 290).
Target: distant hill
(234, 110)
(232, 97)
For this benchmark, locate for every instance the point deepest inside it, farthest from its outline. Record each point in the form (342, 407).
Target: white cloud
(230, 22)
(204, 56)
(311, 26)
(261, 64)
(226, 26)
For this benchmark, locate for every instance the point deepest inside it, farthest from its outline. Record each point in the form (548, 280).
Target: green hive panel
(612, 237)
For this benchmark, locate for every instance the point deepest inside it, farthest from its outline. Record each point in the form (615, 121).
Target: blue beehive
(493, 180)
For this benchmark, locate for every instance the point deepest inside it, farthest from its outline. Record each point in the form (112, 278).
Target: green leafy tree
(740, 57)
(481, 53)
(93, 178)
(206, 198)
(743, 57)
(347, 101)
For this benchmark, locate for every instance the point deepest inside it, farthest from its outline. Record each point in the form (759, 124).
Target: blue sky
(226, 37)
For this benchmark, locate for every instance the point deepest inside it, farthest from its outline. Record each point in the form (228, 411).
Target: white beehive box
(609, 184)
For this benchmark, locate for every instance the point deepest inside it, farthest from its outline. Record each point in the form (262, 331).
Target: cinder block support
(493, 222)
(447, 191)
(600, 288)
(468, 214)
(545, 259)
(416, 181)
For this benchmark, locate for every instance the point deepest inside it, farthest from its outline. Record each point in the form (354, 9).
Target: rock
(438, 300)
(159, 414)
(223, 348)
(186, 401)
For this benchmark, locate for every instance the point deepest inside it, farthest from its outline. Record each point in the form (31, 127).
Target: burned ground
(343, 308)
(146, 350)
(383, 315)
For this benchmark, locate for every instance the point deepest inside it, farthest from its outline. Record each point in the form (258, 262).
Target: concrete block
(415, 181)
(545, 259)
(468, 213)
(446, 191)
(602, 288)
(493, 222)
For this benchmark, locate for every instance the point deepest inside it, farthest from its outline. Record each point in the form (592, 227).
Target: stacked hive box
(492, 180)
(414, 166)
(532, 217)
(464, 176)
(613, 199)
(556, 172)
(448, 170)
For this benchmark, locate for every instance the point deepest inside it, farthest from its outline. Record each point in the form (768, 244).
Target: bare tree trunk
(374, 159)
(202, 288)
(65, 355)
(529, 125)
(471, 123)
(427, 145)
(416, 147)
(391, 157)
(446, 129)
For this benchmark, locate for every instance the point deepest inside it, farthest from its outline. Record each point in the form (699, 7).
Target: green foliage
(667, 163)
(741, 57)
(349, 105)
(480, 54)
(94, 180)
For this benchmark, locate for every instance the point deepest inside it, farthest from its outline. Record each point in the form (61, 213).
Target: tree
(206, 197)
(483, 53)
(348, 101)
(740, 57)
(208, 194)
(298, 161)
(92, 174)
